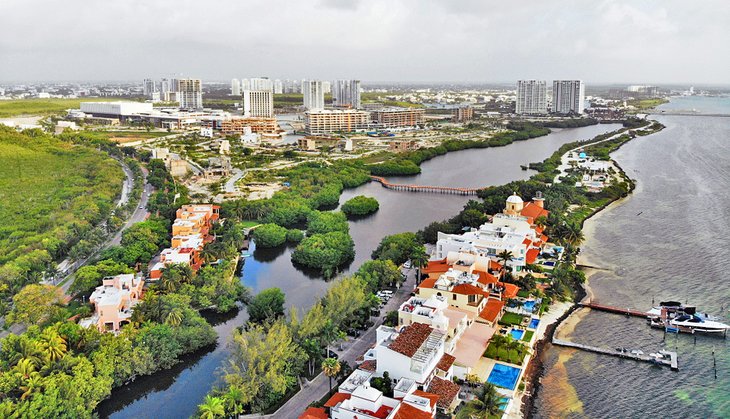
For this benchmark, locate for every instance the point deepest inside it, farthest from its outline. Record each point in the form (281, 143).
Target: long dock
(615, 310)
(424, 188)
(672, 362)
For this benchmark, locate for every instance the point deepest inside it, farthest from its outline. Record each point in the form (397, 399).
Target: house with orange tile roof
(357, 399)
(514, 231)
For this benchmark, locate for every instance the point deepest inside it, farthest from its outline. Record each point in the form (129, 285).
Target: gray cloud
(398, 40)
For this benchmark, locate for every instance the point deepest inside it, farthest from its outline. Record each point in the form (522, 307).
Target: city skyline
(612, 42)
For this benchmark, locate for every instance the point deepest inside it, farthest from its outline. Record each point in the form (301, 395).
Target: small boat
(637, 352)
(245, 254)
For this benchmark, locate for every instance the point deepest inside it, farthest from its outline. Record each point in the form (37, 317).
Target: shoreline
(536, 367)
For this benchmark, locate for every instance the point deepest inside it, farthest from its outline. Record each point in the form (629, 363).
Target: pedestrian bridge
(424, 188)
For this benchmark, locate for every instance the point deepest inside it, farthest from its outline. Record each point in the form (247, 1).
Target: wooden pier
(424, 188)
(615, 310)
(672, 362)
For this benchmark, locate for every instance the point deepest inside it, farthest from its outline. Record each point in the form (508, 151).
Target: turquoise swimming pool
(534, 323)
(504, 376)
(517, 334)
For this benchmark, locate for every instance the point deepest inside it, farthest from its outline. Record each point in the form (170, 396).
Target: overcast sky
(661, 41)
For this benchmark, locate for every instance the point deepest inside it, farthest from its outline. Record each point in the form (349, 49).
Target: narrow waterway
(667, 241)
(177, 392)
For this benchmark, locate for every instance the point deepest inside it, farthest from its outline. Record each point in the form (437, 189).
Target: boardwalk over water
(424, 188)
(615, 310)
(671, 362)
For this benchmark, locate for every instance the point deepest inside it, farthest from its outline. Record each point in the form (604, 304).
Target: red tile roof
(406, 411)
(486, 278)
(434, 266)
(527, 242)
(337, 398)
(467, 289)
(445, 362)
(410, 339)
(531, 256)
(433, 398)
(314, 413)
(492, 310)
(510, 290)
(495, 266)
(428, 283)
(370, 365)
(534, 211)
(446, 390)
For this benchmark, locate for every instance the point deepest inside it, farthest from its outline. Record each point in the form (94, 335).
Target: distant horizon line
(393, 82)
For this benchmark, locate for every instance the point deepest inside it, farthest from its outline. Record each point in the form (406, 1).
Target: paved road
(317, 388)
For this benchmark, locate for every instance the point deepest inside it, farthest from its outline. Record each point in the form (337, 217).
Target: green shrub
(360, 205)
(270, 235)
(294, 235)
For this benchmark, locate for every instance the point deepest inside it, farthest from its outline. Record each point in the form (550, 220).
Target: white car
(407, 265)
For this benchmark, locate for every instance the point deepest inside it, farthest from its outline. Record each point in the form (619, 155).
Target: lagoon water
(667, 241)
(177, 392)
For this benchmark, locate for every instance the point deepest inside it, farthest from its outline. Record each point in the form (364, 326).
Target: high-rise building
(531, 97)
(149, 87)
(235, 87)
(346, 93)
(278, 87)
(261, 83)
(326, 87)
(313, 94)
(190, 93)
(245, 84)
(568, 96)
(258, 103)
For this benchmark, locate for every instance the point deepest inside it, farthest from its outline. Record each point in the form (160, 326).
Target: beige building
(258, 125)
(113, 301)
(463, 114)
(258, 103)
(190, 93)
(398, 117)
(330, 121)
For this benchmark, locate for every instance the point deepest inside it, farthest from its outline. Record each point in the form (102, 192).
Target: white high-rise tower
(313, 94)
(531, 97)
(568, 96)
(346, 93)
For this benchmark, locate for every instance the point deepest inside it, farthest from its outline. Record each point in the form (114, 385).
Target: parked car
(407, 264)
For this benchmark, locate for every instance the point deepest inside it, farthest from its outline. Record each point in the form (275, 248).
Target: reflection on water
(399, 212)
(662, 243)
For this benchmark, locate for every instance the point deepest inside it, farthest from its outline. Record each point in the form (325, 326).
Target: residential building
(463, 114)
(113, 301)
(190, 233)
(149, 87)
(235, 87)
(531, 97)
(357, 399)
(313, 95)
(190, 93)
(278, 87)
(568, 96)
(398, 117)
(313, 142)
(258, 103)
(261, 83)
(514, 231)
(398, 146)
(332, 121)
(118, 110)
(346, 94)
(258, 125)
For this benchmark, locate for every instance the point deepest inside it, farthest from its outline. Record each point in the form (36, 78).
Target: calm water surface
(666, 241)
(177, 392)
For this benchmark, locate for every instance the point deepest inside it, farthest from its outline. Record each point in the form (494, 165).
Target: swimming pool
(529, 305)
(517, 334)
(504, 376)
(534, 323)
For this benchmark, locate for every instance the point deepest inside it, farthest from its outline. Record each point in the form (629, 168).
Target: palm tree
(234, 400)
(505, 256)
(32, 385)
(498, 341)
(24, 348)
(53, 345)
(331, 367)
(211, 408)
(24, 369)
(174, 317)
(513, 345)
(487, 403)
(574, 234)
(419, 259)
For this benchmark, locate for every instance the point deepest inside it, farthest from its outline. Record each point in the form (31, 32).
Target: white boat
(698, 324)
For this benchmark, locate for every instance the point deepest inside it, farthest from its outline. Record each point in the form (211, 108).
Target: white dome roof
(514, 199)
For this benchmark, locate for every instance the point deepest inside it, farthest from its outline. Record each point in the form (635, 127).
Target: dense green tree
(379, 274)
(36, 304)
(266, 306)
(325, 251)
(360, 205)
(269, 235)
(397, 247)
(326, 222)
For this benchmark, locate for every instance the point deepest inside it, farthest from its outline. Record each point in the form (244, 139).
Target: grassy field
(513, 356)
(10, 108)
(122, 137)
(509, 319)
(52, 192)
(646, 104)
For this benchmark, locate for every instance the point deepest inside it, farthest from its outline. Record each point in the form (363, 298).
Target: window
(454, 295)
